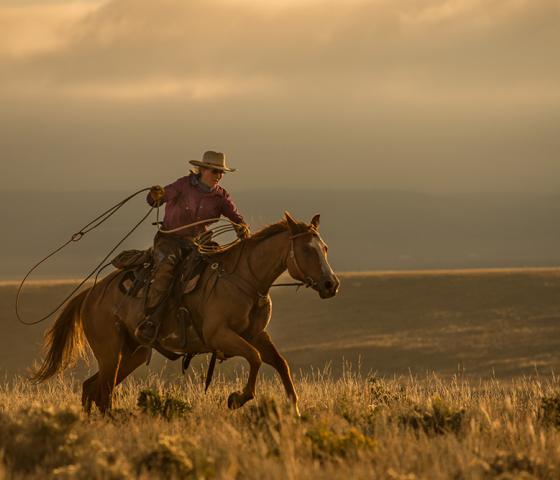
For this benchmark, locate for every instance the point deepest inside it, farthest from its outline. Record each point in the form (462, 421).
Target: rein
(251, 289)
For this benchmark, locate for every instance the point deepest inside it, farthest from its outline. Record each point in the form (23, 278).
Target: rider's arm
(229, 209)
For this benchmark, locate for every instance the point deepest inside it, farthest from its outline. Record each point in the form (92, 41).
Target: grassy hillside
(479, 322)
(353, 427)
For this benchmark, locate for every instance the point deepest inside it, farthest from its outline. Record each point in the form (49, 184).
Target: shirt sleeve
(171, 191)
(229, 209)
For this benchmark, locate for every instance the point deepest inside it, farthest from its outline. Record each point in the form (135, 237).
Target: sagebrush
(351, 427)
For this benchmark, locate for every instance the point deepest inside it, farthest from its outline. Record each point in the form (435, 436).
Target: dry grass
(351, 427)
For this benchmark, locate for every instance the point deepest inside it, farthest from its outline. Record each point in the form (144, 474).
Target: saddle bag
(132, 258)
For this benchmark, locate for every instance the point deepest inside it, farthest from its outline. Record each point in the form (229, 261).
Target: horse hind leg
(98, 388)
(131, 360)
(128, 361)
(229, 342)
(88, 392)
(106, 382)
(107, 347)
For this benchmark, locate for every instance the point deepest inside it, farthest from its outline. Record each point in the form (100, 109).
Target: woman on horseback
(193, 198)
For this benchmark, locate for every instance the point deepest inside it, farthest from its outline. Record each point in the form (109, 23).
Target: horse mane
(264, 233)
(275, 228)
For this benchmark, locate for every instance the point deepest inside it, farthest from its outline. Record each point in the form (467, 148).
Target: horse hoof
(235, 400)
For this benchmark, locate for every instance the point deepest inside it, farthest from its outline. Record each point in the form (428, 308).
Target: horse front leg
(273, 357)
(230, 343)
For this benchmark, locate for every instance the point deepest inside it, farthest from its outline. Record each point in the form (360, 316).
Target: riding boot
(167, 256)
(156, 302)
(147, 330)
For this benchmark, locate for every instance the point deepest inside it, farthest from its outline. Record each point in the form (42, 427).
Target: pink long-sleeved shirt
(186, 202)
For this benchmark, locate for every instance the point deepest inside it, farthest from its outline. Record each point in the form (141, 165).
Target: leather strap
(247, 287)
(307, 280)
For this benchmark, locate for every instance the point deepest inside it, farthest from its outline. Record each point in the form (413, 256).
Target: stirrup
(146, 338)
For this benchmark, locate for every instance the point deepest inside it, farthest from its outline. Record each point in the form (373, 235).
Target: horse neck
(266, 260)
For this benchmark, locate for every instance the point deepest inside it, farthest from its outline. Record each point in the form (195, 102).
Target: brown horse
(230, 309)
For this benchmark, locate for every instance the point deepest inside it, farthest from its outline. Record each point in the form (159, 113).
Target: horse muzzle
(328, 286)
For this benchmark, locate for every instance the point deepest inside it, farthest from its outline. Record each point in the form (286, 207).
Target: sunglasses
(215, 171)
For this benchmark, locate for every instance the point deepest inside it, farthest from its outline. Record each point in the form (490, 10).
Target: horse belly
(189, 342)
(178, 334)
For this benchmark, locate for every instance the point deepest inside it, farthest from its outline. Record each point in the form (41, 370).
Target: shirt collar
(195, 181)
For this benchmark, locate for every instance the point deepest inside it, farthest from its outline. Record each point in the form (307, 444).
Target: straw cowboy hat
(212, 159)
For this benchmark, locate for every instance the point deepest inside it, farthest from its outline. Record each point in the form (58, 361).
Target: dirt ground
(478, 322)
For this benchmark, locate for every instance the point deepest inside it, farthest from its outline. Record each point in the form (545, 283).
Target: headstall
(306, 279)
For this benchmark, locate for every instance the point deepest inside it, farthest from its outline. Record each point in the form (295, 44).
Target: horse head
(307, 259)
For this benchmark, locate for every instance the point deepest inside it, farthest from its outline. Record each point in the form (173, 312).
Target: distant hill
(480, 322)
(366, 230)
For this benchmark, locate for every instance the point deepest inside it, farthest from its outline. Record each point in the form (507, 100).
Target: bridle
(306, 279)
(251, 289)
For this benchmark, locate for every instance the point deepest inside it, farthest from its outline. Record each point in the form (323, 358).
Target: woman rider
(190, 199)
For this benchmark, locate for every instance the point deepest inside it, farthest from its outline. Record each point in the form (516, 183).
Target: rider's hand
(157, 192)
(242, 231)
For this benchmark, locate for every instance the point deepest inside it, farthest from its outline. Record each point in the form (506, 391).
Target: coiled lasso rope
(201, 241)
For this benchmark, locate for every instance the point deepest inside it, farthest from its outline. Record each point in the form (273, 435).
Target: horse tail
(64, 341)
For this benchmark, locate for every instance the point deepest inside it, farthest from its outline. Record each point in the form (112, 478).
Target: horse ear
(292, 224)
(315, 221)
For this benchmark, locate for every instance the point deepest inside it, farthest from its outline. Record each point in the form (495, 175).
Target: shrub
(549, 412)
(174, 457)
(439, 419)
(264, 419)
(152, 403)
(39, 437)
(98, 461)
(381, 394)
(325, 442)
(506, 463)
(167, 458)
(264, 413)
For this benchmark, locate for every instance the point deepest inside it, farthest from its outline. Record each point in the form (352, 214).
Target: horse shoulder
(259, 316)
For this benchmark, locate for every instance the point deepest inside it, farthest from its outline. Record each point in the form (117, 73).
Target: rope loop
(75, 238)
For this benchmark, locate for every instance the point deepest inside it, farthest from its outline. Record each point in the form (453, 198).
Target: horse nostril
(328, 284)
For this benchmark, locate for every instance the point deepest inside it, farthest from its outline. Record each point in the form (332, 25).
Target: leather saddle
(138, 271)
(138, 268)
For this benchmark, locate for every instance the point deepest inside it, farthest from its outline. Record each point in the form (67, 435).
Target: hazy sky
(434, 95)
